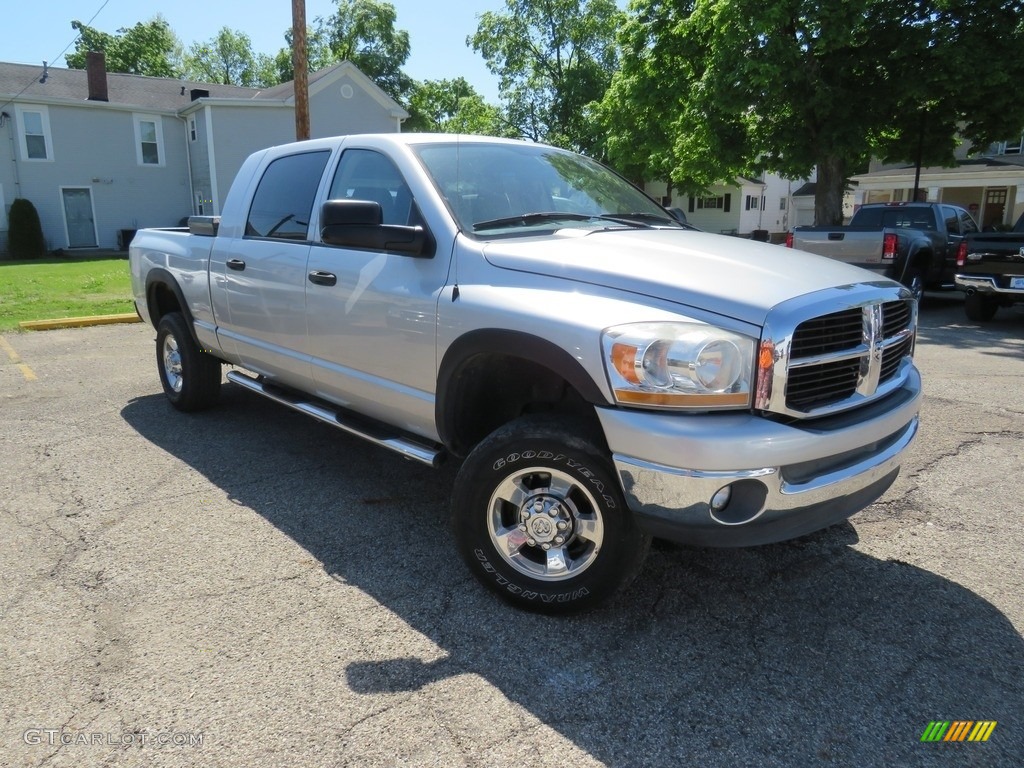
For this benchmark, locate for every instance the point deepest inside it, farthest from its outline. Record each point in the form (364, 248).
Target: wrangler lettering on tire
(538, 517)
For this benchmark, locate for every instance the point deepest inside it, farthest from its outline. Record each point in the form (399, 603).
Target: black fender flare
(490, 341)
(914, 256)
(160, 277)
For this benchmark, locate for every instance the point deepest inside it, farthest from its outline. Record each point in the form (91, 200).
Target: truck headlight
(679, 365)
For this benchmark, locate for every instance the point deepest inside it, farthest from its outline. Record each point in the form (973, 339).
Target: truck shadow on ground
(941, 320)
(803, 653)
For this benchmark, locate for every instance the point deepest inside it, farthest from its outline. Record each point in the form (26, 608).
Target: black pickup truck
(916, 244)
(991, 271)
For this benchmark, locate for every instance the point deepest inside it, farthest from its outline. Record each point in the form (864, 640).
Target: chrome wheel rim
(172, 363)
(545, 524)
(917, 288)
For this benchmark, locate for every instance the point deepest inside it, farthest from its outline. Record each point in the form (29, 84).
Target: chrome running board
(406, 446)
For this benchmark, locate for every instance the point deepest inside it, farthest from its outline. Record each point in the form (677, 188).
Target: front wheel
(190, 377)
(539, 518)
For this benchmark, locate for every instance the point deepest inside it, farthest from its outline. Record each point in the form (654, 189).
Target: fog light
(721, 499)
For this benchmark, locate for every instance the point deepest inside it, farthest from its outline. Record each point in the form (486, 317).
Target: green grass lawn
(55, 288)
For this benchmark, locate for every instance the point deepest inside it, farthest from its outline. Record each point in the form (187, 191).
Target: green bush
(25, 233)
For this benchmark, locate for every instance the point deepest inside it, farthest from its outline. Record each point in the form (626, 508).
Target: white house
(742, 208)
(102, 154)
(989, 185)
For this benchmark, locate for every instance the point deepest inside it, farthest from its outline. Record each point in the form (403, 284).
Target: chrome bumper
(809, 476)
(983, 284)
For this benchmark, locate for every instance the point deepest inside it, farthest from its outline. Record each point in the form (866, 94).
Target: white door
(78, 217)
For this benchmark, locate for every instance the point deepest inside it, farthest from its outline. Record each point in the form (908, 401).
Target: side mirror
(357, 224)
(677, 214)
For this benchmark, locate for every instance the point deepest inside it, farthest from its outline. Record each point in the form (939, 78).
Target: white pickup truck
(604, 373)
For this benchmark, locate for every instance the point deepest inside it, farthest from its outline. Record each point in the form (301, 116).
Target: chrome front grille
(814, 362)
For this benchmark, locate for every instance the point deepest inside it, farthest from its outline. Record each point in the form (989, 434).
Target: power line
(43, 72)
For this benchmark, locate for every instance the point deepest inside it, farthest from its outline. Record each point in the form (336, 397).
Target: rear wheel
(190, 378)
(914, 280)
(539, 518)
(980, 307)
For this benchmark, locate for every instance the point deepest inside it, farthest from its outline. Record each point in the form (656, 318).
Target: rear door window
(283, 203)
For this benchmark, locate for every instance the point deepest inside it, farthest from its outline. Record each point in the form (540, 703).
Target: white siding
(94, 146)
(343, 107)
(238, 131)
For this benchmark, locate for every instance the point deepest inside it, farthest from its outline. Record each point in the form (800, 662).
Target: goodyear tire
(190, 378)
(539, 518)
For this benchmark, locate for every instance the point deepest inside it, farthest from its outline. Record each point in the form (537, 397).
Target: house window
(751, 203)
(782, 203)
(149, 140)
(192, 128)
(710, 202)
(34, 135)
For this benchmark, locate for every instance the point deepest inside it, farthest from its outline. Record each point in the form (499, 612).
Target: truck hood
(729, 276)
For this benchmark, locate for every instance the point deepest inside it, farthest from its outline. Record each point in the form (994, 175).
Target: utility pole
(300, 65)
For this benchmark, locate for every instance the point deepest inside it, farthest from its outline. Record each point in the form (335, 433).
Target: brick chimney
(96, 72)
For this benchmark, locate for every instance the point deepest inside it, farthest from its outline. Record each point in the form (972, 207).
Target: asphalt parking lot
(247, 587)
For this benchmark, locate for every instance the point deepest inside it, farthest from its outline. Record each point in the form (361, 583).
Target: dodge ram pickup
(916, 244)
(991, 271)
(604, 374)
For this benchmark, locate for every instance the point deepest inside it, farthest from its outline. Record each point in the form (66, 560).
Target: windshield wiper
(526, 219)
(636, 218)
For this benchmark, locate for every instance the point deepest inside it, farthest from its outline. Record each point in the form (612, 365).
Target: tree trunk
(828, 191)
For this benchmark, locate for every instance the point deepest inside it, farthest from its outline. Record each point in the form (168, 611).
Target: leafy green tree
(555, 59)
(318, 52)
(148, 48)
(228, 58)
(360, 31)
(453, 106)
(712, 88)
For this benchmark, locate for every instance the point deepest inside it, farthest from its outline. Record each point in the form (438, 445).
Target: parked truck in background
(603, 373)
(916, 244)
(991, 271)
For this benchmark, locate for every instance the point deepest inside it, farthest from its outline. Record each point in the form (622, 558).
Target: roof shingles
(159, 93)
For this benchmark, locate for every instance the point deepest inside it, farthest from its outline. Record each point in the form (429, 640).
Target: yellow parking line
(27, 372)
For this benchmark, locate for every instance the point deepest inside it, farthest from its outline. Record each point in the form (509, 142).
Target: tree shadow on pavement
(803, 653)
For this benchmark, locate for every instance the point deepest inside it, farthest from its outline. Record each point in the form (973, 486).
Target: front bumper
(786, 480)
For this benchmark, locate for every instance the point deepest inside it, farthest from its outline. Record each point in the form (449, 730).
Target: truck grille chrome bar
(814, 365)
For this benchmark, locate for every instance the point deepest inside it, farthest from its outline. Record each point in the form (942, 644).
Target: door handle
(323, 278)
(236, 264)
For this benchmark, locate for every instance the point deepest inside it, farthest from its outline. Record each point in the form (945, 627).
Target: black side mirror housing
(357, 224)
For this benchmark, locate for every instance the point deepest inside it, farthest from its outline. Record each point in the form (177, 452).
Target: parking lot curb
(79, 322)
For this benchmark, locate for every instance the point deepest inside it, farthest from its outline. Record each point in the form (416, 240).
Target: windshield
(502, 189)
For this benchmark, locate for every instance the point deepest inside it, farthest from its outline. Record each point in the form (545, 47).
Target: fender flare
(489, 341)
(159, 277)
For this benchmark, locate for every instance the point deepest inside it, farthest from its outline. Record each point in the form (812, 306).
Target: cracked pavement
(256, 589)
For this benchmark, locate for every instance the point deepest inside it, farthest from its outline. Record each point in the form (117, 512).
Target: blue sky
(437, 29)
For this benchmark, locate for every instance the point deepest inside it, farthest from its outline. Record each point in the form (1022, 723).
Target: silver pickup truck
(604, 373)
